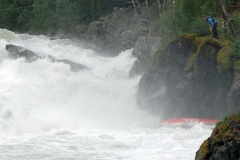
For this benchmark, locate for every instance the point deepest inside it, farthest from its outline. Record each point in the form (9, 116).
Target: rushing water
(48, 112)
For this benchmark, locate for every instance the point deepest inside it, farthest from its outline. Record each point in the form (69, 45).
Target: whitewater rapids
(48, 112)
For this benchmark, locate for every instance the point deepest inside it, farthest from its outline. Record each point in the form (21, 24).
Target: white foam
(49, 112)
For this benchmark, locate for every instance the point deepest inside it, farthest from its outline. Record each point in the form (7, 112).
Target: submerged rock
(224, 142)
(15, 52)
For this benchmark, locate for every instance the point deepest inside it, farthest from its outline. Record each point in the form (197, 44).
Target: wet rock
(194, 83)
(144, 50)
(15, 52)
(115, 32)
(224, 142)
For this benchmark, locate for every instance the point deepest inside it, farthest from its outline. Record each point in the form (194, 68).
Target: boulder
(116, 33)
(144, 50)
(187, 79)
(224, 141)
(15, 52)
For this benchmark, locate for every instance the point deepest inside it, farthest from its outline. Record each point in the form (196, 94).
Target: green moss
(158, 55)
(192, 58)
(223, 59)
(224, 129)
(205, 148)
(191, 36)
(224, 62)
(199, 43)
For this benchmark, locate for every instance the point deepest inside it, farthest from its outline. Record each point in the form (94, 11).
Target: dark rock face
(224, 143)
(144, 50)
(15, 52)
(186, 81)
(233, 95)
(210, 85)
(115, 32)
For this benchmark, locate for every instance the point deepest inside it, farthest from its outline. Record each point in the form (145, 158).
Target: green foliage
(185, 16)
(210, 7)
(13, 13)
(199, 27)
(235, 53)
(172, 22)
(236, 20)
(189, 8)
(47, 15)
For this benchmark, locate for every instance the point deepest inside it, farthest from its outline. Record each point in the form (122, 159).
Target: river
(48, 112)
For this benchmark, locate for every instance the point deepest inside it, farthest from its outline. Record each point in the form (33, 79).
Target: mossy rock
(224, 63)
(224, 141)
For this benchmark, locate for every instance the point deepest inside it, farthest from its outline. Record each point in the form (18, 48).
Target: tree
(228, 20)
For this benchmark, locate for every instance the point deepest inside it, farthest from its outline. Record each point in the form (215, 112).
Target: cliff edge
(193, 77)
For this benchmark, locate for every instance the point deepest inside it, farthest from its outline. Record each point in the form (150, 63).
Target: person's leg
(214, 32)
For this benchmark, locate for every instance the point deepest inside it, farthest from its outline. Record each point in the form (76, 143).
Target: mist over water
(49, 112)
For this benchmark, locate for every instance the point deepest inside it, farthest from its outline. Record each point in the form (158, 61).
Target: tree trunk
(137, 6)
(134, 5)
(228, 20)
(138, 3)
(165, 4)
(146, 3)
(159, 4)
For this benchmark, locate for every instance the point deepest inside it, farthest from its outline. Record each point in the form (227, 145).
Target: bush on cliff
(186, 17)
(236, 20)
(235, 53)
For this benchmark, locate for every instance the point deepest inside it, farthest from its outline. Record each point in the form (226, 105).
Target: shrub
(235, 53)
(236, 20)
(199, 27)
(173, 22)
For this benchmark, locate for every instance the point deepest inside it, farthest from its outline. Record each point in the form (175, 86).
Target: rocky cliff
(192, 77)
(119, 30)
(224, 142)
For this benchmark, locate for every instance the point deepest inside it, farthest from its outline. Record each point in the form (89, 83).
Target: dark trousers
(214, 31)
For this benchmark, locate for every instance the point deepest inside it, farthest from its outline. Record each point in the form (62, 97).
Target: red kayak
(189, 120)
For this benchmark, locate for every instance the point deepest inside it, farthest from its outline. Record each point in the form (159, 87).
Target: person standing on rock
(212, 21)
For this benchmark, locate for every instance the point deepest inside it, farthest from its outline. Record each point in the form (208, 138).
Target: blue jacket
(211, 21)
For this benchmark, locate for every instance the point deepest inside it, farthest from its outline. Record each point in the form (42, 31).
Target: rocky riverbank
(193, 77)
(224, 142)
(117, 31)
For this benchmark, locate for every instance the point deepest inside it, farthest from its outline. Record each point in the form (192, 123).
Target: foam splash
(42, 96)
